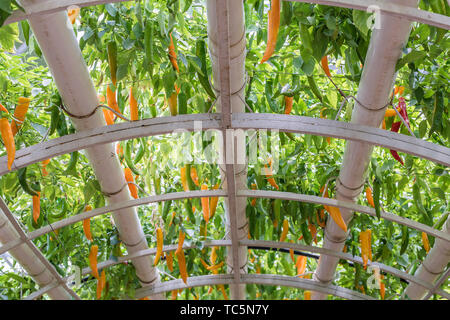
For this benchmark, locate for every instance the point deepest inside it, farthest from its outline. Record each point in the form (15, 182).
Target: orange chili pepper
(272, 29)
(101, 284)
(36, 206)
(2, 108)
(301, 265)
(87, 225)
(213, 256)
(268, 173)
(215, 267)
(390, 113)
(111, 100)
(159, 245)
(213, 203)
(181, 237)
(324, 63)
(285, 230)
(335, 213)
(73, 14)
(129, 178)
(369, 197)
(307, 295)
(8, 140)
(172, 54)
(184, 179)
(169, 260)
(204, 263)
(366, 250)
(182, 265)
(194, 175)
(382, 287)
(426, 242)
(93, 260)
(205, 204)
(288, 103)
(134, 113)
(20, 114)
(173, 101)
(44, 167)
(109, 116)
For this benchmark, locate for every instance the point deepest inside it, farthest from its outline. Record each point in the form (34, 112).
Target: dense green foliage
(418, 190)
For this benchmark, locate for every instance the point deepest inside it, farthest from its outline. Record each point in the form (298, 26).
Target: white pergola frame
(224, 121)
(413, 14)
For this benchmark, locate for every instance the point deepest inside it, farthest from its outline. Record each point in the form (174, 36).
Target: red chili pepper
(395, 127)
(402, 107)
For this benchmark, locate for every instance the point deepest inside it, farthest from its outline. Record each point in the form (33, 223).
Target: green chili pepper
(188, 207)
(157, 184)
(54, 120)
(148, 45)
(314, 88)
(305, 232)
(128, 159)
(405, 239)
(71, 168)
(376, 197)
(62, 125)
(182, 103)
(190, 182)
(112, 60)
(203, 78)
(166, 208)
(277, 209)
(22, 175)
(153, 110)
(141, 151)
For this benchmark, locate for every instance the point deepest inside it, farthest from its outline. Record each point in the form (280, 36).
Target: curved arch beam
(275, 244)
(142, 253)
(264, 279)
(343, 130)
(111, 208)
(345, 205)
(221, 193)
(107, 134)
(263, 244)
(345, 256)
(412, 14)
(245, 121)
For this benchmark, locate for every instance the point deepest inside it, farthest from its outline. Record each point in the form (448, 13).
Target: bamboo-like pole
(374, 92)
(232, 68)
(25, 256)
(431, 268)
(62, 53)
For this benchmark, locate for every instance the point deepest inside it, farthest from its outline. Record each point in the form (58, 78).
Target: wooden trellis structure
(226, 30)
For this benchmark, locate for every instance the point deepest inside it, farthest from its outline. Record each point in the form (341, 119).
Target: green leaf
(122, 71)
(111, 9)
(8, 35)
(413, 56)
(438, 109)
(439, 192)
(361, 19)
